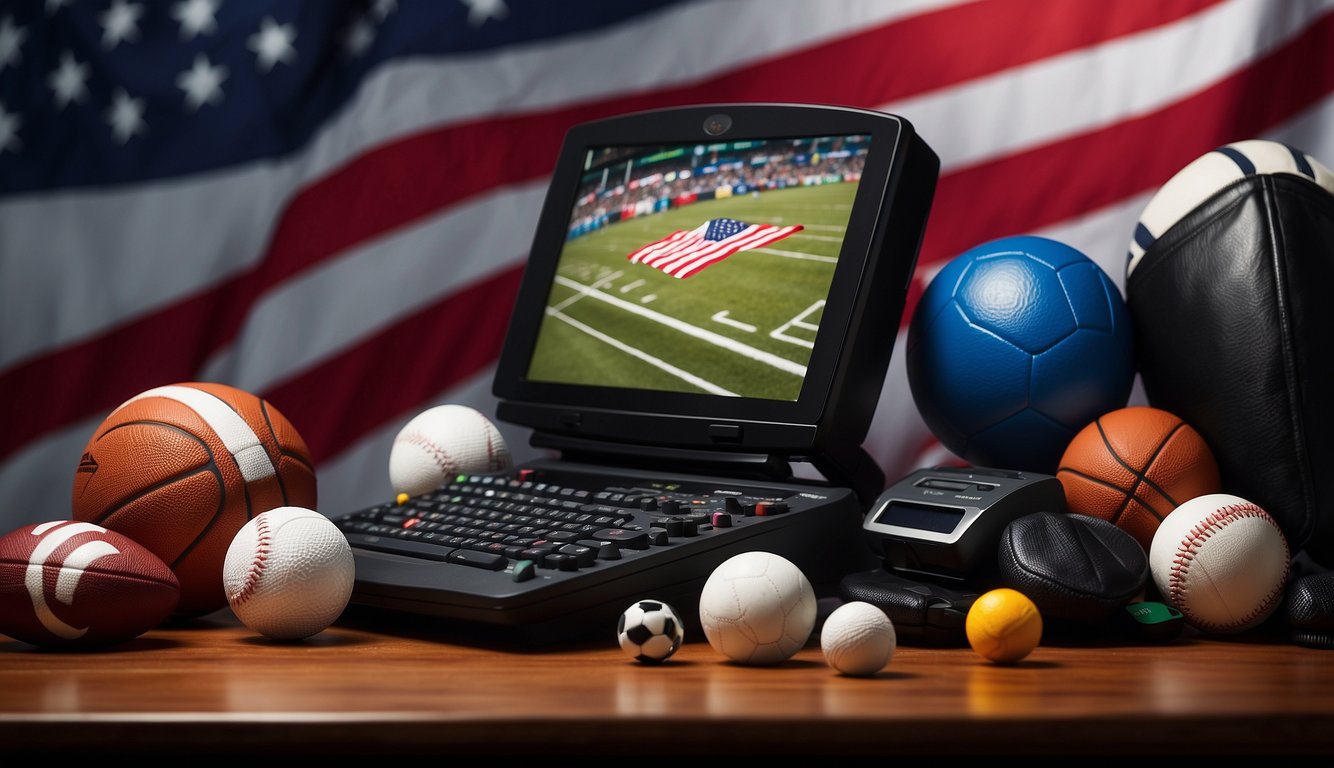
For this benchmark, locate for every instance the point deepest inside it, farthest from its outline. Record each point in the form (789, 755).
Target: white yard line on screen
(821, 238)
(718, 340)
(686, 376)
(721, 316)
(799, 322)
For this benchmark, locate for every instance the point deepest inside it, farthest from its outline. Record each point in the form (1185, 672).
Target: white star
(273, 43)
(359, 37)
(196, 17)
(11, 38)
(126, 116)
(202, 83)
(9, 130)
(69, 80)
(120, 23)
(481, 10)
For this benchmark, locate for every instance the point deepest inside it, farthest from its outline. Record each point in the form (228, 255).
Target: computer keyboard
(554, 550)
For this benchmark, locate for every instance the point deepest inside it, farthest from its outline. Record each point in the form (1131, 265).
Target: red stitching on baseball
(439, 455)
(1190, 546)
(264, 539)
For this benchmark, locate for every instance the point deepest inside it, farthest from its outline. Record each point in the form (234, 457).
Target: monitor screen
(701, 267)
(718, 277)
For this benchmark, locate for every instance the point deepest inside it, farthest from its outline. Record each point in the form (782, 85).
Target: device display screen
(701, 267)
(920, 517)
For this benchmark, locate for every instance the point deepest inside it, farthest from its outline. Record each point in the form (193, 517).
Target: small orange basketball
(1133, 466)
(181, 468)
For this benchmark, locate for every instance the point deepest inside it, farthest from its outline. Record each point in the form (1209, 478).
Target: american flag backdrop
(330, 203)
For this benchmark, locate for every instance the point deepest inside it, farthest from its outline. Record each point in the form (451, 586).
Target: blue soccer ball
(1014, 347)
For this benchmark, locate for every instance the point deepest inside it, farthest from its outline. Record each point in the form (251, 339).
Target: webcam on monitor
(719, 286)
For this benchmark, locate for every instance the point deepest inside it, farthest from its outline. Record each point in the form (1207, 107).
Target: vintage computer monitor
(684, 354)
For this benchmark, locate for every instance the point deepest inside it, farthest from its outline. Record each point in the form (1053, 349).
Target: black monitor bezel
(708, 422)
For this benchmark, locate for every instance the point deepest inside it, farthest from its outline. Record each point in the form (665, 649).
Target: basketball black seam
(1149, 465)
(245, 483)
(1140, 477)
(1097, 481)
(211, 465)
(283, 452)
(268, 422)
(1129, 493)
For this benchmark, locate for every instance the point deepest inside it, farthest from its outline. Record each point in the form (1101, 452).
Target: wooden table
(383, 685)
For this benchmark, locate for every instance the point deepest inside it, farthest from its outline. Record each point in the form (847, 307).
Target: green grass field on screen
(743, 326)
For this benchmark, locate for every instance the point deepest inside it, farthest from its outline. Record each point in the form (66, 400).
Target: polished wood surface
(377, 684)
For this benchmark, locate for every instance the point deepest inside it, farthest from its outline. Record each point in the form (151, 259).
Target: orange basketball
(1134, 465)
(181, 468)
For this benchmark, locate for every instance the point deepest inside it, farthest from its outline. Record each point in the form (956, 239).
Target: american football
(74, 584)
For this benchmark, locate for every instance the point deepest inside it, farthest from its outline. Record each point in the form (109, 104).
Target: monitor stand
(852, 468)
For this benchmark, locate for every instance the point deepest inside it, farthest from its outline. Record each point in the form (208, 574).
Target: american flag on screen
(687, 251)
(330, 203)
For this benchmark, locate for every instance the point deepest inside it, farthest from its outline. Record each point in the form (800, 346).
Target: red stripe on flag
(385, 189)
(392, 373)
(1011, 195)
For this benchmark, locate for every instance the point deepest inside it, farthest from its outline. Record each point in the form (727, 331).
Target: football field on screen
(743, 326)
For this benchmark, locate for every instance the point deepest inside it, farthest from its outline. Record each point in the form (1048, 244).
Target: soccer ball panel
(1018, 299)
(1089, 293)
(964, 380)
(1079, 371)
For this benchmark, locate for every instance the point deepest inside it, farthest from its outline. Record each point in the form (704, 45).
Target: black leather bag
(1233, 314)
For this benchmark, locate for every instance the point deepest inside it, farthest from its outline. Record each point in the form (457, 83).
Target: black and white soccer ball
(650, 631)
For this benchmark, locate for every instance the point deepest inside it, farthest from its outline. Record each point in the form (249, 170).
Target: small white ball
(288, 573)
(858, 639)
(757, 608)
(441, 442)
(1222, 561)
(650, 631)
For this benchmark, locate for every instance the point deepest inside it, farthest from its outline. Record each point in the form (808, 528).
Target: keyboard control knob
(606, 550)
(623, 538)
(722, 520)
(583, 556)
(523, 570)
(561, 561)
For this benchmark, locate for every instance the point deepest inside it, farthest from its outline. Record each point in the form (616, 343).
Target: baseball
(1222, 561)
(441, 442)
(858, 639)
(288, 573)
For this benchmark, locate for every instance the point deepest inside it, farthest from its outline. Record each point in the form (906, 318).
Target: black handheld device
(947, 521)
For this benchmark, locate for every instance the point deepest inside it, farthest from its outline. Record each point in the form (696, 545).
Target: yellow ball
(1003, 625)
